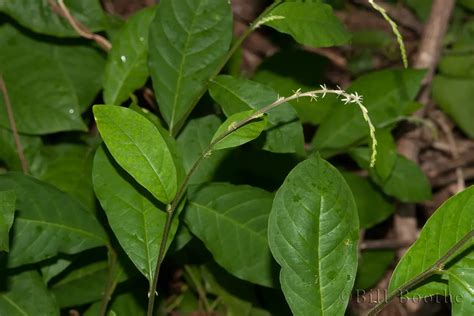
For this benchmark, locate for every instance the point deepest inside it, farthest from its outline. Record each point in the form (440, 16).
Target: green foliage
(188, 40)
(246, 185)
(139, 148)
(316, 279)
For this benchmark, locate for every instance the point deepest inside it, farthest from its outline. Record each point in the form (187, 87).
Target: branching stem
(436, 268)
(346, 98)
(11, 119)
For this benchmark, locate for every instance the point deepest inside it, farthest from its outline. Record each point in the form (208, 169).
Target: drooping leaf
(138, 147)
(27, 295)
(385, 93)
(126, 69)
(309, 23)
(69, 168)
(373, 264)
(449, 223)
(8, 153)
(188, 40)
(193, 141)
(242, 135)
(284, 132)
(313, 233)
(48, 222)
(372, 205)
(51, 104)
(7, 213)
(133, 214)
(232, 222)
(454, 96)
(43, 16)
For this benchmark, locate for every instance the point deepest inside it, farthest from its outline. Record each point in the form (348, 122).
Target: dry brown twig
(82, 30)
(11, 119)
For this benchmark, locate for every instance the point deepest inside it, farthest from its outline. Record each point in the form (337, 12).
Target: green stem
(183, 187)
(255, 24)
(436, 268)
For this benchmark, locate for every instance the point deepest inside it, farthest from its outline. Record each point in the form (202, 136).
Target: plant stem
(255, 24)
(437, 267)
(348, 98)
(11, 119)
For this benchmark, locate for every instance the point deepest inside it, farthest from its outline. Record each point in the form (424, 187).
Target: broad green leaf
(7, 213)
(461, 291)
(8, 154)
(373, 265)
(84, 285)
(188, 40)
(123, 305)
(126, 69)
(138, 147)
(449, 223)
(305, 72)
(84, 66)
(51, 103)
(407, 182)
(284, 132)
(43, 16)
(313, 233)
(193, 142)
(372, 205)
(48, 222)
(69, 168)
(27, 295)
(454, 96)
(134, 216)
(232, 223)
(386, 93)
(457, 65)
(242, 135)
(312, 24)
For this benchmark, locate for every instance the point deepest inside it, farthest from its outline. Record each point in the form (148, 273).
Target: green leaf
(232, 222)
(373, 207)
(284, 132)
(373, 265)
(407, 182)
(8, 154)
(48, 222)
(7, 213)
(123, 305)
(449, 223)
(55, 268)
(84, 285)
(126, 69)
(69, 168)
(454, 96)
(285, 78)
(193, 142)
(42, 16)
(313, 233)
(461, 290)
(138, 147)
(242, 135)
(312, 24)
(134, 216)
(386, 154)
(51, 103)
(386, 94)
(27, 295)
(188, 40)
